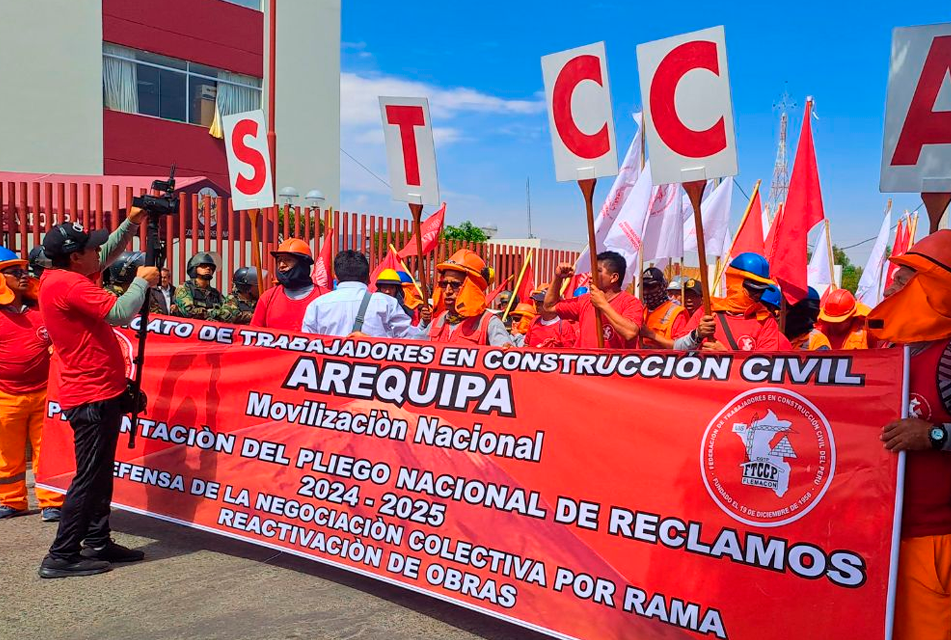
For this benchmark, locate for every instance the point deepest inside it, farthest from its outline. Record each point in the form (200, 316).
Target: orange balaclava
(921, 310)
(737, 299)
(470, 299)
(523, 315)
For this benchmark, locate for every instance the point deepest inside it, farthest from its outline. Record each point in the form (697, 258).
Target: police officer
(121, 273)
(238, 308)
(196, 298)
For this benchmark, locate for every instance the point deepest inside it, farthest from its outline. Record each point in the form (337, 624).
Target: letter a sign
(917, 152)
(579, 113)
(688, 112)
(249, 163)
(410, 151)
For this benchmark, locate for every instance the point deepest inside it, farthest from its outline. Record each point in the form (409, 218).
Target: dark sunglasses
(447, 284)
(16, 272)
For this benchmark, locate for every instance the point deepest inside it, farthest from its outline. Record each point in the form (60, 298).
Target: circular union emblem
(919, 407)
(42, 334)
(768, 457)
(608, 332)
(746, 343)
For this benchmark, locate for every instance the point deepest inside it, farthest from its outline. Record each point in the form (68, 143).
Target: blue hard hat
(754, 267)
(812, 294)
(580, 291)
(9, 258)
(772, 296)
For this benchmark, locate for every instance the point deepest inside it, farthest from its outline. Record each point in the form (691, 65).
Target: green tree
(465, 232)
(851, 274)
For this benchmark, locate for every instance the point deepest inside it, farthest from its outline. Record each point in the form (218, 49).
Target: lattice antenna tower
(780, 183)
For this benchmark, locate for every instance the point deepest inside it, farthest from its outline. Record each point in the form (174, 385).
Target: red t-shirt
(275, 310)
(24, 351)
(90, 363)
(749, 333)
(581, 310)
(558, 335)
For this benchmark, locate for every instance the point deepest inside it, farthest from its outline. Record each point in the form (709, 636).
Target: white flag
(617, 196)
(626, 234)
(715, 212)
(664, 227)
(820, 271)
(870, 286)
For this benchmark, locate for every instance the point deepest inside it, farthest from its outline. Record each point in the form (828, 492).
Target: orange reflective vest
(662, 321)
(815, 340)
(470, 331)
(856, 338)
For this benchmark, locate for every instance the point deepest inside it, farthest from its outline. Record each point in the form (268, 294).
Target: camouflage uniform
(194, 302)
(118, 290)
(235, 310)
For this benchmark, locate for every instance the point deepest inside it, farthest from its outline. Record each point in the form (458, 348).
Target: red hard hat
(839, 306)
(295, 247)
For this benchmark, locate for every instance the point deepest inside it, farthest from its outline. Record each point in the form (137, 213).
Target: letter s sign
(687, 107)
(249, 165)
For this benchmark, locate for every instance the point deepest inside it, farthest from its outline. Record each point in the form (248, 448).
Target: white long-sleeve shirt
(334, 313)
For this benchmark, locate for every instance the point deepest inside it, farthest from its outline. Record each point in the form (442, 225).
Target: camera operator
(79, 316)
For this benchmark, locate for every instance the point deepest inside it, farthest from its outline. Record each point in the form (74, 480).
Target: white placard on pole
(410, 150)
(916, 155)
(685, 87)
(579, 113)
(249, 163)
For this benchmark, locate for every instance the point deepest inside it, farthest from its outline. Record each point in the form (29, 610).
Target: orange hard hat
(839, 306)
(929, 252)
(295, 247)
(524, 309)
(468, 262)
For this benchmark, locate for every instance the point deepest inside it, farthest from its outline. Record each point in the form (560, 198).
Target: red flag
(323, 267)
(429, 229)
(749, 237)
(802, 212)
(527, 285)
(901, 246)
(495, 292)
(771, 236)
(391, 261)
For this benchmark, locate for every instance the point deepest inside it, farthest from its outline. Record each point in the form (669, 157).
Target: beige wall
(44, 66)
(308, 96)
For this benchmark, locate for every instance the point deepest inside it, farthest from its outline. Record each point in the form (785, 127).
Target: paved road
(196, 585)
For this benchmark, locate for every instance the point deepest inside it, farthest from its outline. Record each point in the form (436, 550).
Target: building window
(135, 81)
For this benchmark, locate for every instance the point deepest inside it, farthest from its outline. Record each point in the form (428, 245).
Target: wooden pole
(831, 254)
(408, 272)
(256, 248)
(729, 254)
(417, 211)
(683, 284)
(518, 284)
(694, 191)
(913, 220)
(935, 204)
(587, 190)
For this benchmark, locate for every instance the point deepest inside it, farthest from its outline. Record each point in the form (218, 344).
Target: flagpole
(746, 214)
(694, 191)
(406, 269)
(256, 248)
(518, 284)
(831, 254)
(587, 190)
(417, 210)
(329, 238)
(914, 229)
(683, 284)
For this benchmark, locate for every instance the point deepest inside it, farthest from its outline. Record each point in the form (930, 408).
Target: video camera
(166, 204)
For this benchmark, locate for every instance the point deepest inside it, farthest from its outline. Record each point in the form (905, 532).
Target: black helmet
(199, 259)
(245, 277)
(38, 261)
(122, 271)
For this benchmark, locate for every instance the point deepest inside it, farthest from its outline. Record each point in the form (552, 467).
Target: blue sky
(478, 63)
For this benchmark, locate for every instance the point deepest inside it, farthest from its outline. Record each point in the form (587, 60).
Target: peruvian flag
(902, 245)
(391, 261)
(323, 267)
(802, 212)
(750, 237)
(429, 230)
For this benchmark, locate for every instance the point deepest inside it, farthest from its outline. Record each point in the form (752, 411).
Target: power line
(875, 237)
(365, 168)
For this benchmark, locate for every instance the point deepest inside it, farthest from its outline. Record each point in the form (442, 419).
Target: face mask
(654, 299)
(522, 325)
(297, 277)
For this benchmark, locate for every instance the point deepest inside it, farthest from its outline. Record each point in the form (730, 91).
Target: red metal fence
(28, 210)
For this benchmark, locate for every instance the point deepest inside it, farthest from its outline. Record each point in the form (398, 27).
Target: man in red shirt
(24, 370)
(283, 307)
(547, 330)
(89, 368)
(621, 312)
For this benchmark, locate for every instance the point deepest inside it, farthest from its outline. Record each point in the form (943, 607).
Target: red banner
(614, 495)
